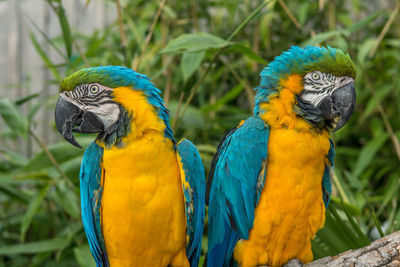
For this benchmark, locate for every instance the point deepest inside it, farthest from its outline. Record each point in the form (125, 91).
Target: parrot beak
(339, 107)
(344, 102)
(71, 118)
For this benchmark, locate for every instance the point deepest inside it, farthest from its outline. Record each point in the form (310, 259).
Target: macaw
(142, 194)
(269, 183)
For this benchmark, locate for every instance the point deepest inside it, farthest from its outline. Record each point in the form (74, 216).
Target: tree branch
(382, 252)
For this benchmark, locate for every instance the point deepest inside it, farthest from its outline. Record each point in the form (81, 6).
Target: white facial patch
(108, 113)
(318, 85)
(95, 98)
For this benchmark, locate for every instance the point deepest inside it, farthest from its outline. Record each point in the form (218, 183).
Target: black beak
(70, 118)
(339, 107)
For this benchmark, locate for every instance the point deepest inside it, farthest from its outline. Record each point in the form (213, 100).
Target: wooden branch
(382, 252)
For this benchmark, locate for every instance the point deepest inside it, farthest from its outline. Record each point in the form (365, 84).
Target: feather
(91, 190)
(235, 188)
(194, 185)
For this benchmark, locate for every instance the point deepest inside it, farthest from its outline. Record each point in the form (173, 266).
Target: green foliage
(206, 56)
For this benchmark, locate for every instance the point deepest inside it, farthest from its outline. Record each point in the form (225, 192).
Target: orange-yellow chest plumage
(291, 208)
(142, 207)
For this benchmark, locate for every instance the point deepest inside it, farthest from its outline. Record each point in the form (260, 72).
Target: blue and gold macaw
(269, 182)
(142, 195)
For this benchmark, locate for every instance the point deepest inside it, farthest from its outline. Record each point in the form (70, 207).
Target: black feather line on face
(311, 114)
(307, 111)
(113, 134)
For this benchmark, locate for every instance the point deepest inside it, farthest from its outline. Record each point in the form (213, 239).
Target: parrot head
(107, 100)
(318, 83)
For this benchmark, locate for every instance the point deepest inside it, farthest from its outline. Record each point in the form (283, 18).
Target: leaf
(364, 49)
(248, 52)
(366, 22)
(32, 111)
(66, 32)
(66, 197)
(39, 258)
(322, 37)
(381, 94)
(35, 247)
(232, 94)
(190, 62)
(83, 256)
(13, 118)
(192, 119)
(14, 158)
(303, 12)
(32, 208)
(25, 99)
(45, 58)
(62, 152)
(14, 193)
(368, 152)
(194, 42)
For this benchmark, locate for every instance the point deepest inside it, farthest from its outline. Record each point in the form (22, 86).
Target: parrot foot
(294, 263)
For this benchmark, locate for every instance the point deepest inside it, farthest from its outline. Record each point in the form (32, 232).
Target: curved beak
(71, 118)
(344, 102)
(339, 107)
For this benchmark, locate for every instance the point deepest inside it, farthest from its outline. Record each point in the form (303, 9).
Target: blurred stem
(384, 30)
(321, 5)
(174, 122)
(386, 122)
(82, 54)
(247, 20)
(136, 63)
(247, 87)
(193, 10)
(48, 40)
(377, 224)
(121, 31)
(196, 86)
(168, 84)
(256, 44)
(339, 187)
(166, 60)
(332, 16)
(290, 14)
(51, 157)
(392, 215)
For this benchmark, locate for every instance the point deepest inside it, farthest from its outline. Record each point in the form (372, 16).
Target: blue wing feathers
(234, 191)
(194, 198)
(90, 187)
(326, 180)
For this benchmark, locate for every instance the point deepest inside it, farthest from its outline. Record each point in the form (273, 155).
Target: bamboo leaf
(14, 193)
(368, 152)
(35, 247)
(67, 198)
(190, 62)
(45, 58)
(66, 32)
(224, 99)
(25, 99)
(14, 157)
(195, 42)
(84, 257)
(32, 208)
(248, 52)
(13, 118)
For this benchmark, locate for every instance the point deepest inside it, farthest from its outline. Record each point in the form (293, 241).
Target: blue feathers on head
(300, 61)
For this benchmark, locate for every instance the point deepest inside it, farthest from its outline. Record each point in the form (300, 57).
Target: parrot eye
(94, 89)
(315, 76)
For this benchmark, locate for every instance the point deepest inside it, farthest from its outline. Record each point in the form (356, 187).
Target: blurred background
(206, 57)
